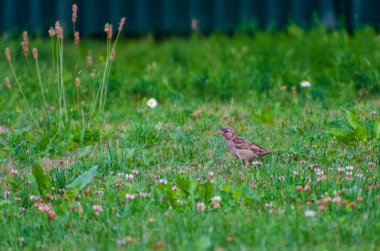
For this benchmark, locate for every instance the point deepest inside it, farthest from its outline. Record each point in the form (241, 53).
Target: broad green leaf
(5, 202)
(337, 132)
(377, 129)
(352, 120)
(361, 132)
(206, 191)
(183, 183)
(42, 179)
(83, 180)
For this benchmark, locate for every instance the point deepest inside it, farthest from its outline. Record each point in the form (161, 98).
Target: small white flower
(158, 126)
(201, 206)
(143, 194)
(257, 163)
(162, 181)
(152, 103)
(373, 113)
(319, 173)
(349, 173)
(310, 213)
(135, 172)
(129, 177)
(359, 175)
(305, 84)
(216, 199)
(281, 178)
(340, 169)
(294, 172)
(174, 188)
(32, 197)
(130, 196)
(349, 168)
(14, 172)
(99, 192)
(210, 174)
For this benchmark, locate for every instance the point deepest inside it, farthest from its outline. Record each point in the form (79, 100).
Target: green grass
(232, 81)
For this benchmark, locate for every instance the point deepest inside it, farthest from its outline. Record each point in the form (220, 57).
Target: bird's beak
(220, 132)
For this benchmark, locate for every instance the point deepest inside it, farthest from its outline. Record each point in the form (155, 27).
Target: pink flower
(371, 164)
(97, 209)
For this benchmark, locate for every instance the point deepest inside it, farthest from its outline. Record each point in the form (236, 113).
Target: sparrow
(242, 148)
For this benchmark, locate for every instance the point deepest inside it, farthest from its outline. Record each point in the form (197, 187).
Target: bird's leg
(247, 163)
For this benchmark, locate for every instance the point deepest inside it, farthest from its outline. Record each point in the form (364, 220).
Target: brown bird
(241, 148)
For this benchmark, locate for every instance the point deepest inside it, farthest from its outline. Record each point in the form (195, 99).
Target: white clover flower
(281, 178)
(310, 213)
(349, 173)
(305, 84)
(201, 206)
(257, 163)
(349, 168)
(216, 199)
(210, 174)
(174, 188)
(340, 169)
(359, 175)
(162, 181)
(294, 172)
(32, 197)
(373, 113)
(152, 103)
(14, 172)
(129, 177)
(135, 172)
(99, 192)
(130, 196)
(143, 194)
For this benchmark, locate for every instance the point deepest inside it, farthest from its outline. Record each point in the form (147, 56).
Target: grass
(201, 84)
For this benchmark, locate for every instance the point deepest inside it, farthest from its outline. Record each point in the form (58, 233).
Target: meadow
(126, 174)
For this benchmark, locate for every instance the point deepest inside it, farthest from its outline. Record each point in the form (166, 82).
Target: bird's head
(227, 132)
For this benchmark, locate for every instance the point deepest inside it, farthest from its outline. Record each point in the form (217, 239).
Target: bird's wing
(241, 143)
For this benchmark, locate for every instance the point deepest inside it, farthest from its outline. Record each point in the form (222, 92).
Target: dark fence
(174, 16)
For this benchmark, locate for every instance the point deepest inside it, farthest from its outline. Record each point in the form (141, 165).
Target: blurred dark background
(173, 17)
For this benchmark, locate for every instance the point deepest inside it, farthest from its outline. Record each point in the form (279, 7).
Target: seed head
(112, 55)
(121, 24)
(35, 53)
(89, 61)
(59, 30)
(8, 83)
(108, 30)
(51, 32)
(77, 83)
(74, 16)
(25, 43)
(76, 38)
(8, 54)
